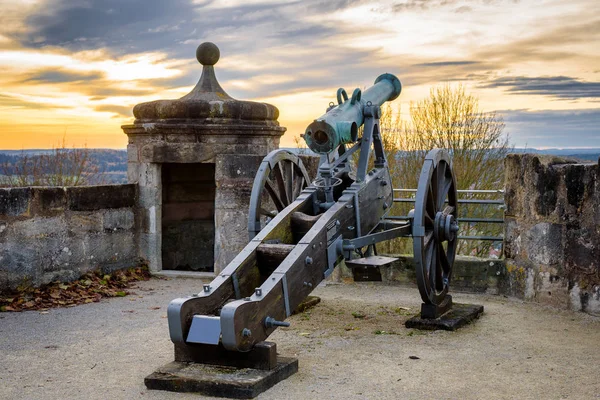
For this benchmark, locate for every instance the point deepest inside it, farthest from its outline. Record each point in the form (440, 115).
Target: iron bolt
(246, 332)
(258, 292)
(206, 288)
(308, 260)
(271, 322)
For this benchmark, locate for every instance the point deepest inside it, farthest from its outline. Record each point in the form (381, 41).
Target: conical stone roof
(207, 102)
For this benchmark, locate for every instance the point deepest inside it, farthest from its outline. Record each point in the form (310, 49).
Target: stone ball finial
(208, 53)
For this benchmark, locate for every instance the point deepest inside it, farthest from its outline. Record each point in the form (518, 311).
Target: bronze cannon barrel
(340, 123)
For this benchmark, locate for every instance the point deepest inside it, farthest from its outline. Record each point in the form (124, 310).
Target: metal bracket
(351, 244)
(334, 250)
(286, 297)
(205, 329)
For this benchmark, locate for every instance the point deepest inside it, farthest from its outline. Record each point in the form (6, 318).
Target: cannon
(301, 229)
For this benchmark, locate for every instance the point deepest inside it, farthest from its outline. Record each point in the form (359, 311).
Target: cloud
(14, 102)
(144, 49)
(421, 5)
(446, 63)
(558, 128)
(560, 87)
(61, 76)
(463, 9)
(120, 111)
(556, 42)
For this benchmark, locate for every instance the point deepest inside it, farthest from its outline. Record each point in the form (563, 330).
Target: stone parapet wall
(469, 274)
(59, 233)
(552, 231)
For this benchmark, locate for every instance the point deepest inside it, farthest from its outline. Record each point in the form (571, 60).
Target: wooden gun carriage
(301, 229)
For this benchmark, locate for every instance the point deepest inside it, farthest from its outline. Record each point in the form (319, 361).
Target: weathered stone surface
(14, 201)
(220, 381)
(544, 243)
(237, 167)
(50, 242)
(48, 200)
(552, 241)
(88, 198)
(176, 153)
(469, 274)
(459, 316)
(118, 219)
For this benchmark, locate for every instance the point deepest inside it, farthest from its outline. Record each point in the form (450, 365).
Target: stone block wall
(58, 234)
(552, 231)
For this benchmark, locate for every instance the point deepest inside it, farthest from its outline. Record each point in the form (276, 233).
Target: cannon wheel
(279, 180)
(435, 226)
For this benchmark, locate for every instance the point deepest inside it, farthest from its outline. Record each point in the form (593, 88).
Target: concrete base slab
(219, 381)
(458, 316)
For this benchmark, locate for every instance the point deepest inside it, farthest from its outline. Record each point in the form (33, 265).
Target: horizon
(76, 70)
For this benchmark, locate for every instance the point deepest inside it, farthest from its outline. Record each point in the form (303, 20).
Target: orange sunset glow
(76, 69)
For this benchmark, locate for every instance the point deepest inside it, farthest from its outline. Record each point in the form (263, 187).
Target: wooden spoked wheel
(279, 180)
(435, 227)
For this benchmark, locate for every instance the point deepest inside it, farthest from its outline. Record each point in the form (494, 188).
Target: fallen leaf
(414, 357)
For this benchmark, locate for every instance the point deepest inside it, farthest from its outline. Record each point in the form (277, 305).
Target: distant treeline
(111, 164)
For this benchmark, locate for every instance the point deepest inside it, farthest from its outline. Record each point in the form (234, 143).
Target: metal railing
(499, 202)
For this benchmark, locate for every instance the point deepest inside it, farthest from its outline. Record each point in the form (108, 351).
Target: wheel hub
(445, 227)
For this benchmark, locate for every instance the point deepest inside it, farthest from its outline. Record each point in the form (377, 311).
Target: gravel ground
(351, 346)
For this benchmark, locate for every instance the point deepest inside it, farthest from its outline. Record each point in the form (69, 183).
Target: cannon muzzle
(340, 124)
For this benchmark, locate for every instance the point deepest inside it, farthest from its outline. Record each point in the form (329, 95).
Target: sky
(75, 69)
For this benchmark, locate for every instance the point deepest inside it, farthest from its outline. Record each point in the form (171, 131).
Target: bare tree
(60, 167)
(450, 118)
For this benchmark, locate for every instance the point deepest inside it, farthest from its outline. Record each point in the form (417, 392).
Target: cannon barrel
(340, 123)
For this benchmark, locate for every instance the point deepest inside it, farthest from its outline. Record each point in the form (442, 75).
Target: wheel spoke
(444, 261)
(430, 202)
(433, 267)
(270, 214)
(274, 196)
(434, 183)
(448, 210)
(445, 190)
(441, 185)
(427, 239)
(298, 183)
(428, 255)
(428, 221)
(279, 177)
(289, 181)
(439, 269)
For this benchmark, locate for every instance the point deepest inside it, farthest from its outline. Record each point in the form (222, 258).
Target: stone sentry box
(194, 160)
